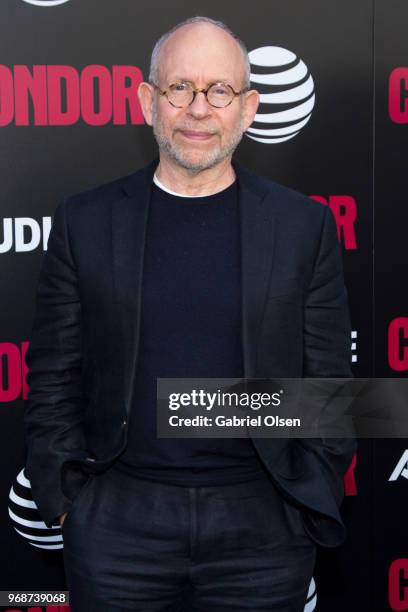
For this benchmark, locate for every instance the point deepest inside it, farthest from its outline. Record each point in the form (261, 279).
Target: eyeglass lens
(181, 94)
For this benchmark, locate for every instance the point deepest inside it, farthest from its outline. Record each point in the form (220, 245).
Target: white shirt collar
(180, 195)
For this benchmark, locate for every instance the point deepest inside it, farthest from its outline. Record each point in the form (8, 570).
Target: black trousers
(132, 544)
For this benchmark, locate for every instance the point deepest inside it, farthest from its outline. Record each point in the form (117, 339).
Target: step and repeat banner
(336, 130)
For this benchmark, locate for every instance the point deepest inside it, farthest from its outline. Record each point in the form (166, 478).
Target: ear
(251, 103)
(145, 95)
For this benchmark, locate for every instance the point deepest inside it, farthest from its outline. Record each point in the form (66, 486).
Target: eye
(180, 87)
(220, 90)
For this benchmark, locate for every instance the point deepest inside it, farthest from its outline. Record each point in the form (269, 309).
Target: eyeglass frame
(202, 90)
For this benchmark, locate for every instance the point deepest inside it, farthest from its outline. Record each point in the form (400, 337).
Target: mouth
(196, 135)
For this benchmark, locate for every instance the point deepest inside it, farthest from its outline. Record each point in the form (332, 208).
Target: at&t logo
(26, 520)
(287, 94)
(311, 597)
(46, 2)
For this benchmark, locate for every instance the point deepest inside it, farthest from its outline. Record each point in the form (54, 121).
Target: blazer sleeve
(53, 415)
(327, 346)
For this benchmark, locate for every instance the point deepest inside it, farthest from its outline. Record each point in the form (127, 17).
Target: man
(191, 267)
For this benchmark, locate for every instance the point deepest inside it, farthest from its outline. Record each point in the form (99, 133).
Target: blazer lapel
(258, 222)
(129, 224)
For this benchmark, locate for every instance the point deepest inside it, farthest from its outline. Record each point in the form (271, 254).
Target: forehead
(201, 53)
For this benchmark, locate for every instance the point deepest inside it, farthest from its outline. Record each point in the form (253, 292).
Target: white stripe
(26, 523)
(20, 501)
(280, 131)
(311, 605)
(289, 95)
(273, 140)
(47, 547)
(21, 479)
(56, 538)
(292, 114)
(271, 56)
(287, 77)
(45, 3)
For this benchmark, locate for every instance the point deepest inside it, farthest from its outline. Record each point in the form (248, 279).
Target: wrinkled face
(198, 141)
(199, 136)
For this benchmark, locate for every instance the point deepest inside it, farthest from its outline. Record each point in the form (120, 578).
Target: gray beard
(208, 160)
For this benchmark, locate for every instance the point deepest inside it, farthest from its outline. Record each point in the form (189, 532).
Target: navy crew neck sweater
(190, 328)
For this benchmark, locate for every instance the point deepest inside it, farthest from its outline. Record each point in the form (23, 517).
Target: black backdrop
(350, 155)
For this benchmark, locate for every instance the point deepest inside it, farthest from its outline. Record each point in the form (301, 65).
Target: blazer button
(123, 424)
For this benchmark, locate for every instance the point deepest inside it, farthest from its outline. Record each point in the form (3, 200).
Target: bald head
(201, 38)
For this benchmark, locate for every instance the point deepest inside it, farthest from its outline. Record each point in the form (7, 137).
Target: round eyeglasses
(182, 94)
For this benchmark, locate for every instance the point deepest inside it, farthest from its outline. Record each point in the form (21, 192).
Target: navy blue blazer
(84, 342)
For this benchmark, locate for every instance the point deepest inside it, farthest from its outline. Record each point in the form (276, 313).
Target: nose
(199, 107)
